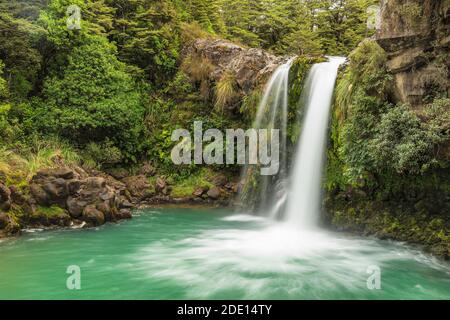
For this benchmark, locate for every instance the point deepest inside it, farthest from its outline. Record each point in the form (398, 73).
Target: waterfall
(304, 198)
(272, 113)
(295, 196)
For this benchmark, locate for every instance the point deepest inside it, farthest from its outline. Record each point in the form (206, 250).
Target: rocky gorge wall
(416, 37)
(389, 154)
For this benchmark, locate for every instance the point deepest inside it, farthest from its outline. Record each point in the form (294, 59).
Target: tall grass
(20, 166)
(225, 90)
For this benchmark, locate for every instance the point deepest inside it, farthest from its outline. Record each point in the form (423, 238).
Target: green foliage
(382, 148)
(102, 154)
(94, 99)
(225, 90)
(186, 187)
(18, 40)
(50, 211)
(407, 144)
(147, 34)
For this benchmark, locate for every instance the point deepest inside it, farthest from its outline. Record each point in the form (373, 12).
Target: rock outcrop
(62, 197)
(416, 36)
(251, 66)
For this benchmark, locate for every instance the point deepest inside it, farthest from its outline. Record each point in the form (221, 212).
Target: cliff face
(416, 36)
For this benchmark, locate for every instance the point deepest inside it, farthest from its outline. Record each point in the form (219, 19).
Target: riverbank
(69, 196)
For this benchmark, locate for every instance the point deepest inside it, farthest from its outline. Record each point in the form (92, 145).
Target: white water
(272, 113)
(304, 199)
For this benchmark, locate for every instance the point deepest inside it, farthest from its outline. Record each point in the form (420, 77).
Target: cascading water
(271, 114)
(300, 203)
(304, 199)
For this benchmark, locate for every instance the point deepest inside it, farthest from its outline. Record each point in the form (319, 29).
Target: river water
(213, 254)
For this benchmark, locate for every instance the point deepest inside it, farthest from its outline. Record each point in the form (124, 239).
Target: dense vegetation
(113, 90)
(388, 170)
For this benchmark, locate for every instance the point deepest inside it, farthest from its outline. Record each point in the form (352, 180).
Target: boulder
(5, 198)
(118, 173)
(76, 191)
(138, 186)
(251, 67)
(92, 216)
(214, 193)
(124, 214)
(16, 196)
(4, 220)
(414, 34)
(75, 206)
(220, 180)
(200, 191)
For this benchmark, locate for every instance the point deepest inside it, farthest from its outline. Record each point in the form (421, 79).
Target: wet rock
(124, 214)
(92, 216)
(214, 193)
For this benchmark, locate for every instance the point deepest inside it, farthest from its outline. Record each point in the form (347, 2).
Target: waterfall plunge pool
(175, 253)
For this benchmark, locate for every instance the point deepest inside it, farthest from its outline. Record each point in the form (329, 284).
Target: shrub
(225, 90)
(93, 100)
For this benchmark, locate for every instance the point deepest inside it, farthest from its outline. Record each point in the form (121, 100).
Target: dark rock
(250, 66)
(105, 207)
(73, 186)
(75, 206)
(220, 181)
(118, 173)
(5, 198)
(4, 220)
(57, 190)
(200, 191)
(39, 194)
(138, 186)
(124, 214)
(63, 173)
(95, 182)
(214, 193)
(16, 196)
(93, 216)
(61, 220)
(416, 45)
(125, 204)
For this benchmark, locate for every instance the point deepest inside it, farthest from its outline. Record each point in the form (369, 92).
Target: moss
(186, 187)
(297, 76)
(50, 211)
(389, 220)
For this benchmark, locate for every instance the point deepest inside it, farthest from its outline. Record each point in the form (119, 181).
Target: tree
(94, 100)
(147, 36)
